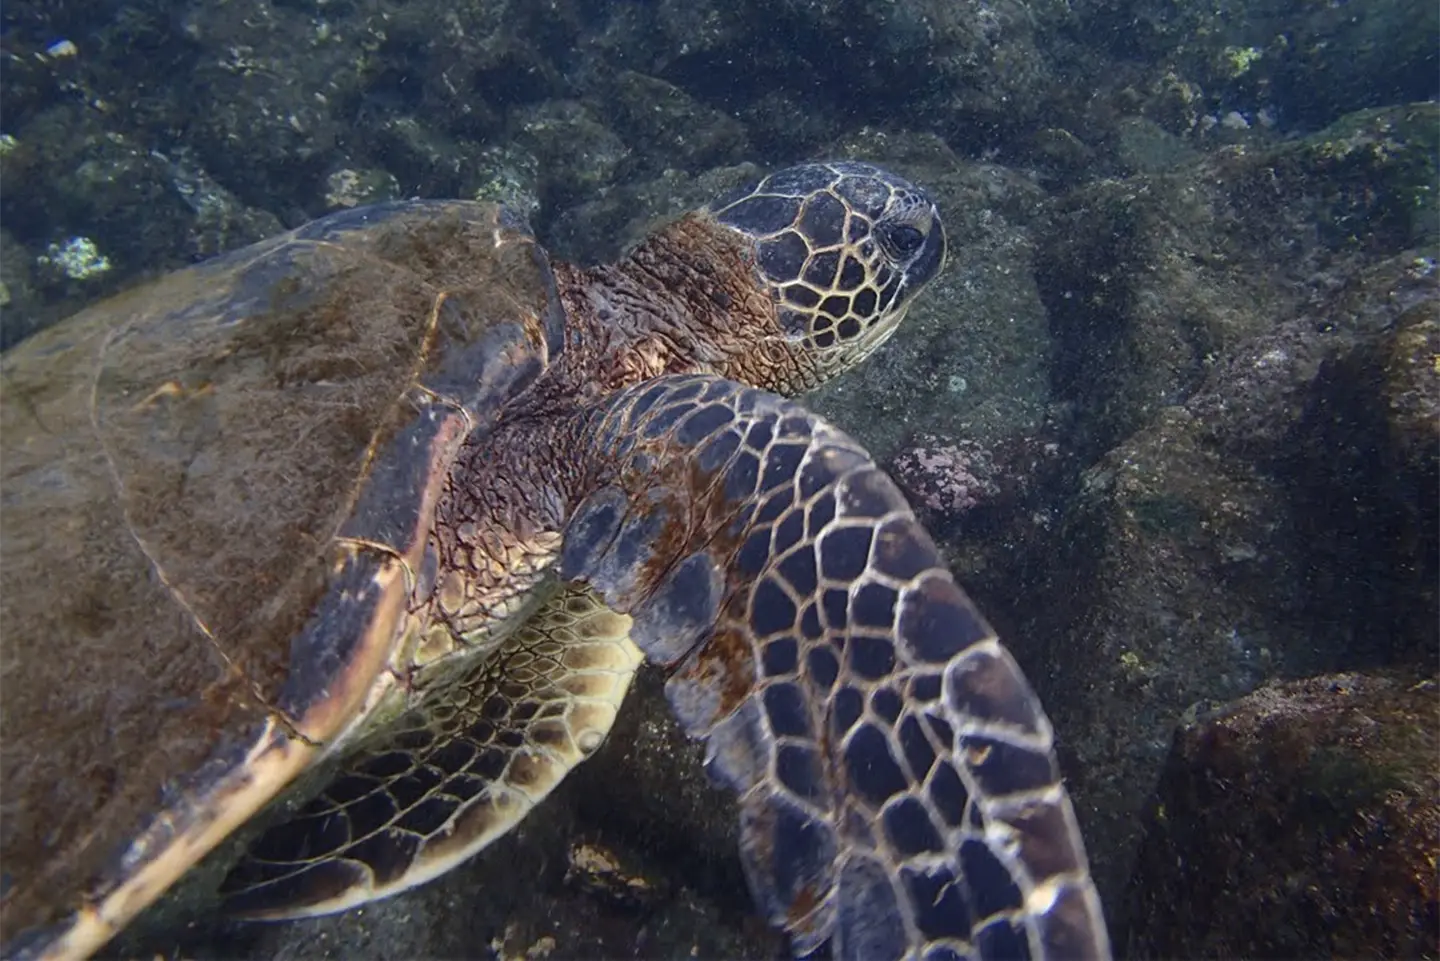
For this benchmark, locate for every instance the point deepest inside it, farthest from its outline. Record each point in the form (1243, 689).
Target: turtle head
(844, 248)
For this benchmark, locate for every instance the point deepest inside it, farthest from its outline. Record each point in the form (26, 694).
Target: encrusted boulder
(1300, 821)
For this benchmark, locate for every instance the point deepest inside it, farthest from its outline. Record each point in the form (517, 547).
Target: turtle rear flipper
(454, 773)
(898, 785)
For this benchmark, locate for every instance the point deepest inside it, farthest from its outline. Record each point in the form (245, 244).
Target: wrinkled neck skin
(687, 300)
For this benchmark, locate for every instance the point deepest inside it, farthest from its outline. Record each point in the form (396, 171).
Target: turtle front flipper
(899, 792)
(459, 769)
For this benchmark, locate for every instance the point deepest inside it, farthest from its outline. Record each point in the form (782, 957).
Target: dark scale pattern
(982, 685)
(345, 789)
(427, 816)
(865, 195)
(788, 711)
(780, 657)
(992, 890)
(1000, 768)
(781, 463)
(844, 553)
(798, 181)
(759, 435)
(823, 667)
(388, 854)
(821, 271)
(763, 215)
(847, 705)
(941, 910)
(802, 296)
(925, 688)
(870, 923)
(717, 452)
(702, 423)
(803, 850)
(887, 294)
(873, 606)
(799, 570)
(823, 221)
(946, 952)
(388, 765)
(741, 475)
(810, 627)
(754, 554)
(783, 258)
(800, 772)
(909, 828)
(919, 753)
(642, 404)
(835, 606)
(664, 420)
(771, 609)
(870, 657)
(892, 731)
(941, 729)
(865, 301)
(870, 766)
(820, 513)
(1000, 939)
(411, 790)
(886, 705)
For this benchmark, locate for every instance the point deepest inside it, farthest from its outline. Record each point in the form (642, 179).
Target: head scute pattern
(844, 247)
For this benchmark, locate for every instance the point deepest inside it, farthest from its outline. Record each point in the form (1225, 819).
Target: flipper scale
(459, 769)
(899, 792)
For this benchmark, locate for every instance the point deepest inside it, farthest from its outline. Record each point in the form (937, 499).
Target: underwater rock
(1163, 582)
(348, 187)
(266, 103)
(1303, 64)
(576, 152)
(1150, 279)
(1300, 821)
(600, 228)
(1411, 390)
(667, 126)
(1282, 521)
(19, 304)
(1338, 406)
(944, 479)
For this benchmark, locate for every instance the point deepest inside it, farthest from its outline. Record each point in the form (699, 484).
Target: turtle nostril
(903, 238)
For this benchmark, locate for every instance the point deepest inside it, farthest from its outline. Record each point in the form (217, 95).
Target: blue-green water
(1179, 378)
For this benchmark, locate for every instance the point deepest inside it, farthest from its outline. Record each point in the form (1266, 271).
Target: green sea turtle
(397, 493)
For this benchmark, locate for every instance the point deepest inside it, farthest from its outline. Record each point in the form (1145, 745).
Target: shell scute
(202, 478)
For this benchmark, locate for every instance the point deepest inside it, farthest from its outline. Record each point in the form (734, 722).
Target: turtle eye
(902, 239)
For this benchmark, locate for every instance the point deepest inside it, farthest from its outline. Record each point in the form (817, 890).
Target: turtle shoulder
(214, 493)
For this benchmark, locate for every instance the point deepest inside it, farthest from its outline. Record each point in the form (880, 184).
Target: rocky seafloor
(1173, 410)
